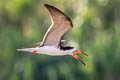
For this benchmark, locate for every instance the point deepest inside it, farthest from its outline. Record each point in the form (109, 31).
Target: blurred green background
(96, 31)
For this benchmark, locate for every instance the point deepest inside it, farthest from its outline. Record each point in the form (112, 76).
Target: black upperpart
(66, 48)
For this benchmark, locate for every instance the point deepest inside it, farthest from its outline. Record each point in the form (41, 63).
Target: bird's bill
(80, 52)
(76, 57)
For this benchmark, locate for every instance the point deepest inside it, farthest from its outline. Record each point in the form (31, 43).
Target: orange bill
(80, 52)
(76, 57)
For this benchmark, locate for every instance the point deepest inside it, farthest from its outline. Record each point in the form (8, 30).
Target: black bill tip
(84, 54)
(81, 61)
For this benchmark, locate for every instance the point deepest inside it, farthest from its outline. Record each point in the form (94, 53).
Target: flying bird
(51, 43)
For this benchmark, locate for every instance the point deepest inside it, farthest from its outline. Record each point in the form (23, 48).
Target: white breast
(51, 50)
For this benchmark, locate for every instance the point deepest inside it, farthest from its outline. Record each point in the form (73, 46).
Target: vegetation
(96, 31)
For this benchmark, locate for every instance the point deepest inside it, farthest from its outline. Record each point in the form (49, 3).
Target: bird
(52, 44)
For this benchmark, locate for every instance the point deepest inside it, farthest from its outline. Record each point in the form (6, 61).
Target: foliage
(96, 31)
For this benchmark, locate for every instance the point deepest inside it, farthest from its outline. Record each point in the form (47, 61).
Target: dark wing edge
(59, 11)
(61, 24)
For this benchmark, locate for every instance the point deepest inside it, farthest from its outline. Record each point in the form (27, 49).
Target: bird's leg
(76, 57)
(34, 52)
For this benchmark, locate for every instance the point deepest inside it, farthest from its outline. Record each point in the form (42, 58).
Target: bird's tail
(24, 49)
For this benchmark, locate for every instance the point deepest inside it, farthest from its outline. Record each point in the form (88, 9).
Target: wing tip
(49, 6)
(44, 4)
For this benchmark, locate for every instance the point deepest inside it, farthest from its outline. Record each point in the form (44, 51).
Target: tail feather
(24, 49)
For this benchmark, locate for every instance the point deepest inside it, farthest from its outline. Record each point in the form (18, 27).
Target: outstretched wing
(60, 25)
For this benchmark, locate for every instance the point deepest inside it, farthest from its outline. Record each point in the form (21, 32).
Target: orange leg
(34, 52)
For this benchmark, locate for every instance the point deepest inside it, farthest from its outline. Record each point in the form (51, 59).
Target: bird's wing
(34, 45)
(60, 25)
(39, 44)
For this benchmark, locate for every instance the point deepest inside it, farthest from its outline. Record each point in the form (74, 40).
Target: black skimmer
(51, 44)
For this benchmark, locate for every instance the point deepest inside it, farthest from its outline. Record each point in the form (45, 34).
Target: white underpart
(49, 50)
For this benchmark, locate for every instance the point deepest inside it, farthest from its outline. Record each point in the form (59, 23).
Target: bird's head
(76, 57)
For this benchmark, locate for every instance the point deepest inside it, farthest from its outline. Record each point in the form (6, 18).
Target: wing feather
(60, 25)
